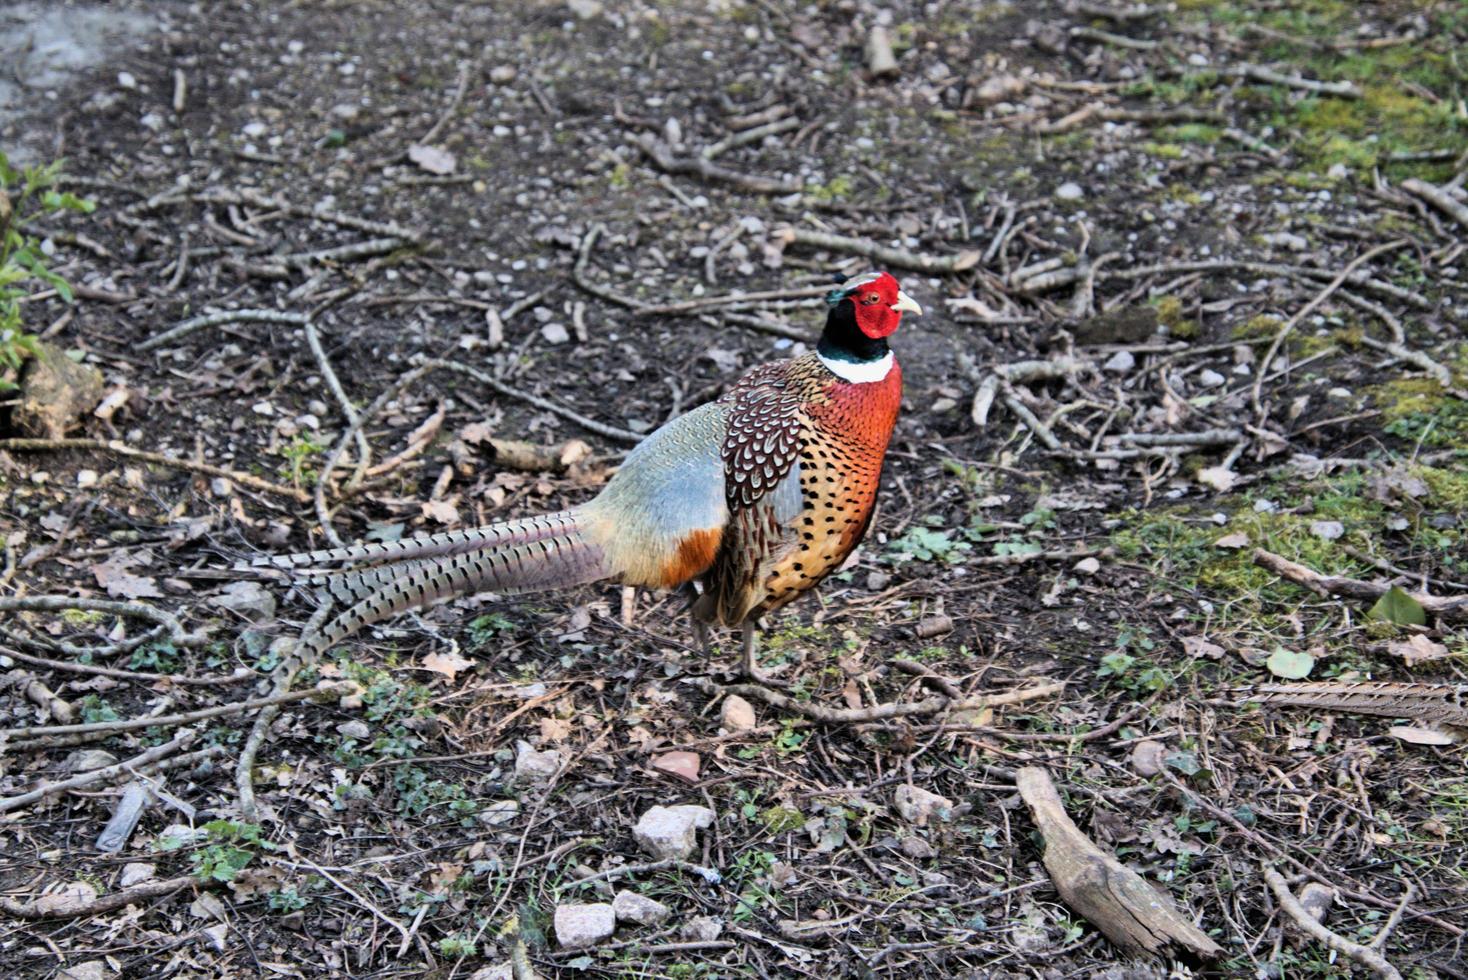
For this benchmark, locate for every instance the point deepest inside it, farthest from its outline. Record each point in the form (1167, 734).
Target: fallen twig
(698, 166)
(752, 135)
(1130, 912)
(46, 790)
(1453, 607)
(1365, 955)
(1268, 76)
(899, 258)
(128, 452)
(197, 323)
(136, 895)
(878, 712)
(70, 666)
(1438, 198)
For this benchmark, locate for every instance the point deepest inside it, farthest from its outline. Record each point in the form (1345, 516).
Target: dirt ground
(1194, 286)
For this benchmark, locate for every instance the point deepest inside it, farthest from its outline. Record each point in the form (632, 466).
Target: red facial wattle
(879, 306)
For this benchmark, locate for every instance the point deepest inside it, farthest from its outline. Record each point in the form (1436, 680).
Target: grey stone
(918, 806)
(639, 909)
(248, 600)
(671, 832)
(578, 926)
(535, 766)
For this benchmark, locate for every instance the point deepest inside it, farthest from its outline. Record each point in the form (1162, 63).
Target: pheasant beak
(906, 303)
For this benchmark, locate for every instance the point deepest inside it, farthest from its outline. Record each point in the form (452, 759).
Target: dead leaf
(1418, 649)
(684, 765)
(432, 159)
(1197, 646)
(443, 511)
(555, 729)
(1422, 736)
(574, 451)
(448, 664)
(1233, 541)
(1218, 478)
(113, 575)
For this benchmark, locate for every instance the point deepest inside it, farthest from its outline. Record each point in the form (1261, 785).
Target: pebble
(1327, 530)
(136, 872)
(639, 909)
(86, 478)
(534, 766)
(702, 929)
(1069, 191)
(1087, 566)
(1147, 757)
(503, 74)
(247, 599)
(578, 926)
(125, 79)
(555, 333)
(1121, 362)
(737, 714)
(671, 832)
(918, 806)
(355, 728)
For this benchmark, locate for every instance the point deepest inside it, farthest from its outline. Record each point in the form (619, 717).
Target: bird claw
(763, 678)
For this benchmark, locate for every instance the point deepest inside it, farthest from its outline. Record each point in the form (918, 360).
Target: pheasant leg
(749, 633)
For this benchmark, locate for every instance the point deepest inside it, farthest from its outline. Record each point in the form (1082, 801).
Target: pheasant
(757, 496)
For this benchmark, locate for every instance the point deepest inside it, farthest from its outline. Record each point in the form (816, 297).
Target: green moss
(1163, 151)
(1170, 315)
(834, 189)
(1254, 328)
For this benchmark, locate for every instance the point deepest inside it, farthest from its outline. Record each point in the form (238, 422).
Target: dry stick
(1128, 273)
(1306, 310)
(349, 411)
(1452, 607)
(137, 610)
(590, 424)
(578, 273)
(878, 712)
(184, 718)
(707, 874)
(197, 323)
(1438, 198)
(749, 136)
(697, 166)
(266, 202)
(1364, 955)
(46, 790)
(453, 106)
(244, 674)
(1268, 76)
(1118, 901)
(899, 258)
(343, 253)
(128, 452)
(104, 903)
(731, 299)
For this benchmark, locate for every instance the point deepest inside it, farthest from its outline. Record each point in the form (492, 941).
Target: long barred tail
(381, 580)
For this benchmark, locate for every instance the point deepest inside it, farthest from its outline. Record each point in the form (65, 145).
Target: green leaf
(1290, 664)
(1396, 606)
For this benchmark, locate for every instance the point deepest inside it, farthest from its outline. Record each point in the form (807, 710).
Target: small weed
(457, 947)
(296, 453)
(96, 709)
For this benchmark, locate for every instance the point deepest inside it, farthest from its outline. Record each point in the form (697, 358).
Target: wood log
(1131, 913)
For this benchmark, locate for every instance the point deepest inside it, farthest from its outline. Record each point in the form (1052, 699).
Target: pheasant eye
(871, 298)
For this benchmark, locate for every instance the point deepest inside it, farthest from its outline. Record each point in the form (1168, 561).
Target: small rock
(881, 62)
(355, 728)
(503, 74)
(999, 88)
(55, 392)
(85, 479)
(944, 405)
(136, 872)
(534, 766)
(578, 926)
(555, 333)
(684, 765)
(585, 9)
(933, 626)
(1147, 757)
(248, 600)
(1338, 171)
(500, 971)
(737, 714)
(1121, 362)
(877, 581)
(1288, 241)
(701, 929)
(1327, 530)
(216, 935)
(1069, 191)
(86, 760)
(918, 806)
(499, 813)
(126, 79)
(671, 832)
(1210, 378)
(916, 848)
(90, 970)
(638, 909)
(221, 486)
(1087, 566)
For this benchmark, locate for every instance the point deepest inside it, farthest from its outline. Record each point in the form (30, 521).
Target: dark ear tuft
(839, 277)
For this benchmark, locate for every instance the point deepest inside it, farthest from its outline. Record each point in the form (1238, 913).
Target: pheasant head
(865, 311)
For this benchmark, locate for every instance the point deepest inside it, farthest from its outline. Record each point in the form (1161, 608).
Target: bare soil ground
(1213, 222)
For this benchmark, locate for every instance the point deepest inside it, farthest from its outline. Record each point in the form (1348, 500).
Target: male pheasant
(758, 495)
